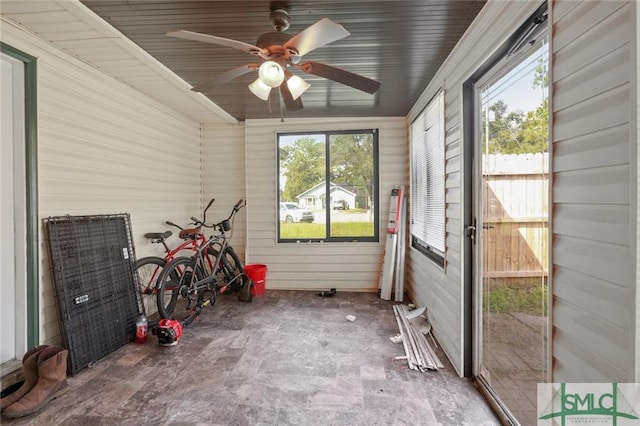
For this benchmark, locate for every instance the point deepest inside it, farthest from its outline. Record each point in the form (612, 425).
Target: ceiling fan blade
(225, 77)
(345, 77)
(321, 33)
(190, 35)
(289, 102)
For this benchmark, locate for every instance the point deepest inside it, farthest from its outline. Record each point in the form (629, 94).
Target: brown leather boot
(52, 382)
(30, 371)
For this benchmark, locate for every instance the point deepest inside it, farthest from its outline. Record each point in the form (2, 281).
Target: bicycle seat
(189, 233)
(158, 235)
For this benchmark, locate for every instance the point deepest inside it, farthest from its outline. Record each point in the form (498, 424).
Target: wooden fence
(515, 212)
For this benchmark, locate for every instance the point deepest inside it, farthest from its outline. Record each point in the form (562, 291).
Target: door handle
(471, 232)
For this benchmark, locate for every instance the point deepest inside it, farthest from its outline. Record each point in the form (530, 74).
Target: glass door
(512, 229)
(13, 304)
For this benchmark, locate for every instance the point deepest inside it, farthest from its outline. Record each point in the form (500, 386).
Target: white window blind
(428, 178)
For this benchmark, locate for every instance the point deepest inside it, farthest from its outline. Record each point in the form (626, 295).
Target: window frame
(436, 254)
(328, 210)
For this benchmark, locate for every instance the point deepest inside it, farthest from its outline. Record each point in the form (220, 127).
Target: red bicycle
(185, 286)
(148, 268)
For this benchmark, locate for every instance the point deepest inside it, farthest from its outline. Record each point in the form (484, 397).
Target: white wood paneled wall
(312, 266)
(103, 147)
(442, 290)
(223, 176)
(594, 146)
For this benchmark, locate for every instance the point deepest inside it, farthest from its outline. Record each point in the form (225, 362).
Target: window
(343, 165)
(427, 181)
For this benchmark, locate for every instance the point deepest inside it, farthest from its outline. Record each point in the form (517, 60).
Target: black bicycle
(148, 268)
(187, 284)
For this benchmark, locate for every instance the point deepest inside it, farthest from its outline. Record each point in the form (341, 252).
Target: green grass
(506, 299)
(306, 231)
(302, 230)
(352, 229)
(351, 211)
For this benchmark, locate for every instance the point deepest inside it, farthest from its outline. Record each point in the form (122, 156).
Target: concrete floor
(515, 352)
(288, 358)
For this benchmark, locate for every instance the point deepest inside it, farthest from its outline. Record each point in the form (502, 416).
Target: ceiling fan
(279, 53)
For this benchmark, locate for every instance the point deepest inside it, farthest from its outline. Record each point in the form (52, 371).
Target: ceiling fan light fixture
(260, 89)
(279, 52)
(297, 86)
(271, 74)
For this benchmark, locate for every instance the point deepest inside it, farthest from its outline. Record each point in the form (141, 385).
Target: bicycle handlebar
(168, 222)
(204, 213)
(197, 222)
(220, 225)
(200, 223)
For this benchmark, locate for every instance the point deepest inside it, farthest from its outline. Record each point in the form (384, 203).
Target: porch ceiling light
(271, 74)
(260, 89)
(297, 86)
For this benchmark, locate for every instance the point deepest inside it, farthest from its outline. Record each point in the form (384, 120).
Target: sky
(516, 87)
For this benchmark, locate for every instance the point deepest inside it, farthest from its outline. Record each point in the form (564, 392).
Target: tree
(302, 164)
(504, 129)
(352, 162)
(517, 132)
(535, 129)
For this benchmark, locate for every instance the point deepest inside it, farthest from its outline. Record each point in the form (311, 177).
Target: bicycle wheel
(175, 299)
(233, 272)
(148, 270)
(242, 281)
(230, 270)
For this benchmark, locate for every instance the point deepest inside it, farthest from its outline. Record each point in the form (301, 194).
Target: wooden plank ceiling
(400, 43)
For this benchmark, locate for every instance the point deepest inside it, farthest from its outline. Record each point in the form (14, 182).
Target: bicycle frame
(203, 254)
(194, 239)
(170, 254)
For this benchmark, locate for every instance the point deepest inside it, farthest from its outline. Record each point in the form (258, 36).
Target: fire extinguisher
(141, 329)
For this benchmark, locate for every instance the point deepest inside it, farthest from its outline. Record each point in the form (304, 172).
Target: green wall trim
(31, 169)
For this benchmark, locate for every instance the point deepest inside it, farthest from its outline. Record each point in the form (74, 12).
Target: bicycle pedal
(211, 300)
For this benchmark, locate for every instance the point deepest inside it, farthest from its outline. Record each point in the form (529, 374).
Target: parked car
(340, 205)
(292, 212)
